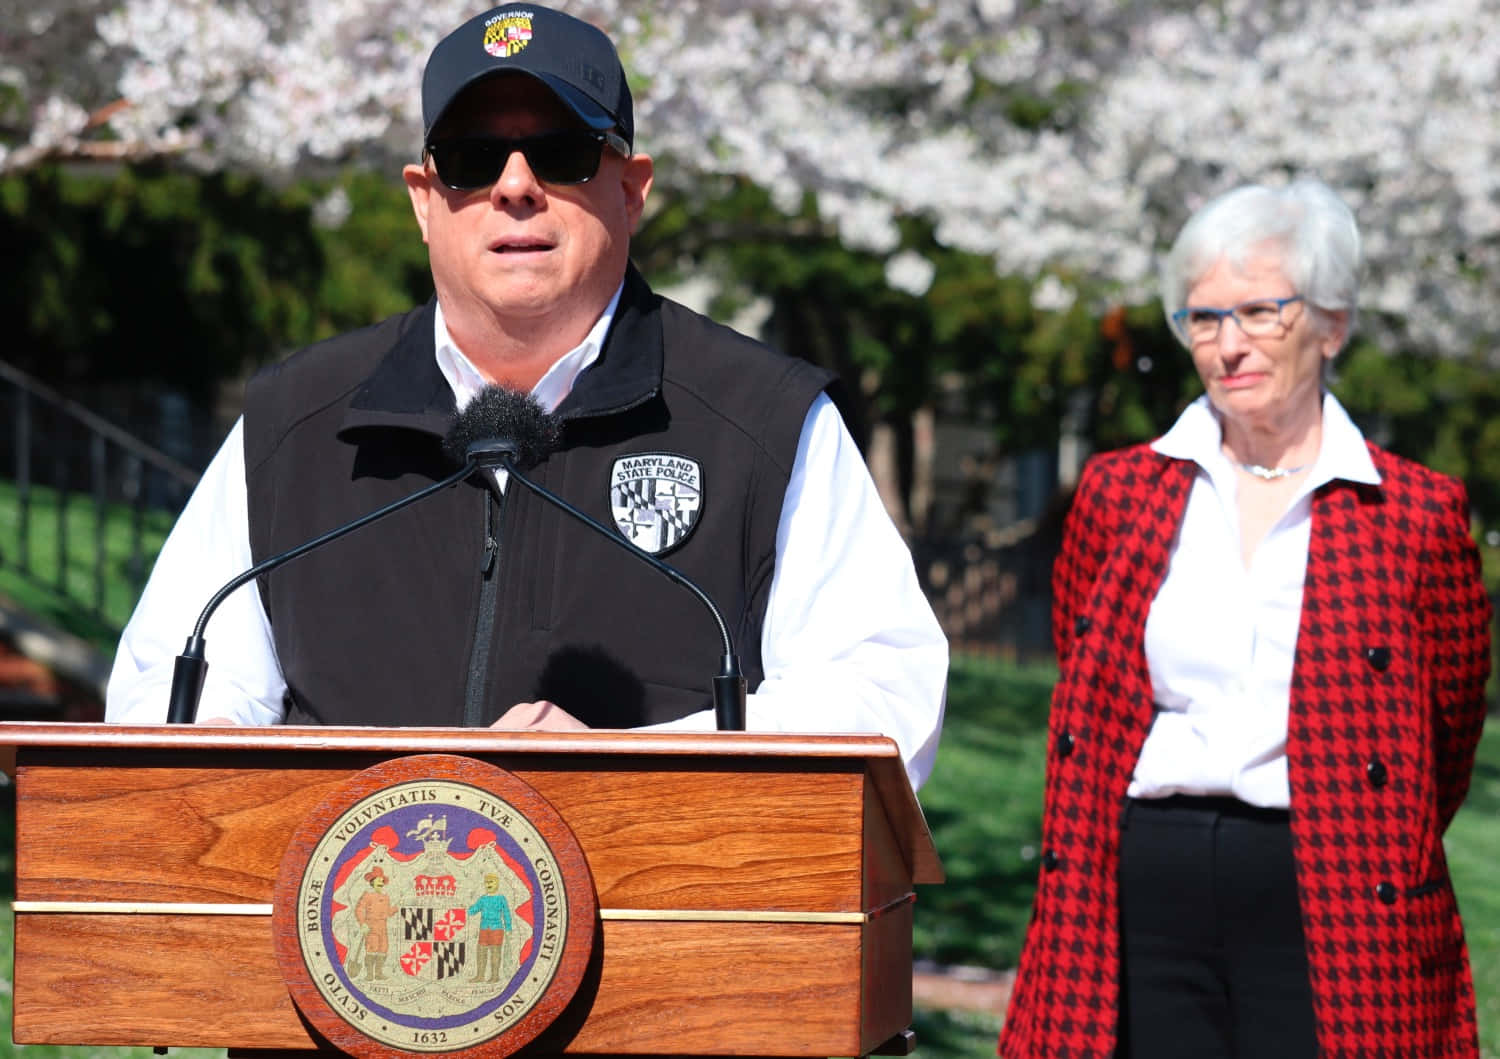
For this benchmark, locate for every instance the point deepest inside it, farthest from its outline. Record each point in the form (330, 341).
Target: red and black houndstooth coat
(1386, 709)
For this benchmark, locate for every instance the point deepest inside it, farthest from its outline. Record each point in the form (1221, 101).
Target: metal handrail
(57, 441)
(98, 425)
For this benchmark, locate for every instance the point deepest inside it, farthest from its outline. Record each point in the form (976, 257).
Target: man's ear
(419, 188)
(636, 176)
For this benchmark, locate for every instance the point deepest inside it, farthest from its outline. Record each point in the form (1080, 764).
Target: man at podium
(483, 605)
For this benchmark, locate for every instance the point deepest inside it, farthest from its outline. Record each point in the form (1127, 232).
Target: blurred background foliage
(159, 276)
(154, 276)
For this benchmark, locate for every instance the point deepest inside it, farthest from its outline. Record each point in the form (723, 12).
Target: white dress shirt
(1220, 637)
(849, 642)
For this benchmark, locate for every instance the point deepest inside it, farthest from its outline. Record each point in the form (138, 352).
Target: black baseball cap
(572, 58)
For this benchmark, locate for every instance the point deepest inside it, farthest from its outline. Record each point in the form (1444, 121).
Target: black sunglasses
(568, 156)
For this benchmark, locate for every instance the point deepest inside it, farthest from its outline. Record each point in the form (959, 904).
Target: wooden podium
(754, 892)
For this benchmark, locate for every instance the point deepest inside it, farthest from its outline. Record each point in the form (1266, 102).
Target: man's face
(523, 252)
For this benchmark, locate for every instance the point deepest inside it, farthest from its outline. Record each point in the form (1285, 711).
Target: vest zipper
(484, 621)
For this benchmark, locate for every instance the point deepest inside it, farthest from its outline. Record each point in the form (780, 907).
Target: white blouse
(1220, 637)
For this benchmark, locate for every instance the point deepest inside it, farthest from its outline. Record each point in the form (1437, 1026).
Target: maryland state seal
(434, 906)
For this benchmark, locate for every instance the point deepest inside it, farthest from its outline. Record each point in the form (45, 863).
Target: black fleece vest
(458, 607)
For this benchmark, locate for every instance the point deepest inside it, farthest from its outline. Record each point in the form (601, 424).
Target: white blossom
(58, 122)
(1051, 294)
(910, 272)
(333, 209)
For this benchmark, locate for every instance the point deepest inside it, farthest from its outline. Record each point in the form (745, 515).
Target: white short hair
(1305, 225)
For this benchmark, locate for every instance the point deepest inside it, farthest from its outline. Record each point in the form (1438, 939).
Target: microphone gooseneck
(508, 430)
(729, 684)
(191, 667)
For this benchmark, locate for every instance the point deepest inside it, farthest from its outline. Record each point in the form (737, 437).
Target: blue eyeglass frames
(1257, 317)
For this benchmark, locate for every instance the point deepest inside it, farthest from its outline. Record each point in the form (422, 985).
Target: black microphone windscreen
(509, 415)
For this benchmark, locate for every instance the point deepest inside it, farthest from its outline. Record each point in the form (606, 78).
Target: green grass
(984, 805)
(955, 1034)
(61, 584)
(1473, 845)
(984, 802)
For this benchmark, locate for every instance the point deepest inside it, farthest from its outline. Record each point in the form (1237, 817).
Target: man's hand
(540, 716)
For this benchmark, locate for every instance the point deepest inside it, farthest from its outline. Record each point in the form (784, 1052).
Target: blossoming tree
(1069, 137)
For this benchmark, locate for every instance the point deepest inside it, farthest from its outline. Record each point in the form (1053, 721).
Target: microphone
(506, 429)
(191, 667)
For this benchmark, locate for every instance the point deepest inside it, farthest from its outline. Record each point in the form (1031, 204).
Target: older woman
(1273, 643)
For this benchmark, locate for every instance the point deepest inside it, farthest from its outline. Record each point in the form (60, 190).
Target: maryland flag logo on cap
(507, 34)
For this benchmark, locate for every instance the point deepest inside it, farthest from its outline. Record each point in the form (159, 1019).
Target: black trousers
(1213, 960)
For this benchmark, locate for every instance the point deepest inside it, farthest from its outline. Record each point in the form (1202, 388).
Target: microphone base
(729, 702)
(188, 675)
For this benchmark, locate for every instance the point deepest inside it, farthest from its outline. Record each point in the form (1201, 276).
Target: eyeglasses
(1258, 318)
(568, 156)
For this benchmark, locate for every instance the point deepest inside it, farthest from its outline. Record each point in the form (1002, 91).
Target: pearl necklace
(1270, 474)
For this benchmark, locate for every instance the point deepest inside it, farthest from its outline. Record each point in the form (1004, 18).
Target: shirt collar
(1197, 434)
(466, 380)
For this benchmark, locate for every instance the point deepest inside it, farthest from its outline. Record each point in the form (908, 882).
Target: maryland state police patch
(656, 499)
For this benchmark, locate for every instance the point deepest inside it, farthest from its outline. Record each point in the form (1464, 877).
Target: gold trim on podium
(634, 915)
(141, 908)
